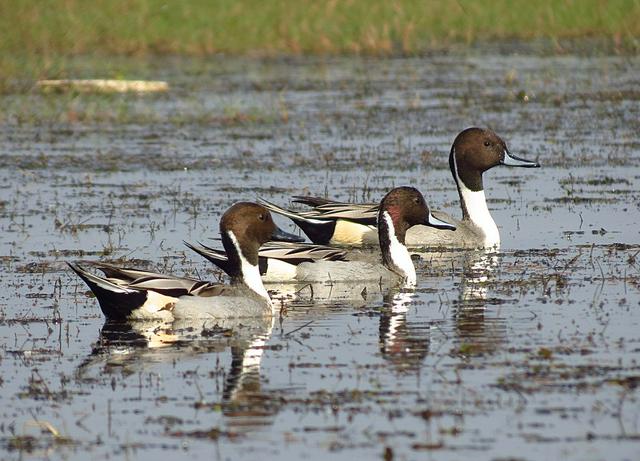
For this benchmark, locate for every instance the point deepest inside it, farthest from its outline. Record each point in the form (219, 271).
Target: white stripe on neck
(250, 274)
(475, 203)
(400, 257)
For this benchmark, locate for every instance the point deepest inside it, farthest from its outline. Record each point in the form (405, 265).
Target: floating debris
(104, 86)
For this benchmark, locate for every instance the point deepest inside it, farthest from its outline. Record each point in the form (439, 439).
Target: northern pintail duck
(401, 209)
(136, 294)
(474, 151)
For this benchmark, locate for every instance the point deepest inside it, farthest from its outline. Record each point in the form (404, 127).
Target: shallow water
(528, 354)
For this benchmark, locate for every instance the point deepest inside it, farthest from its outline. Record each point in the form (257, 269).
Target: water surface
(531, 353)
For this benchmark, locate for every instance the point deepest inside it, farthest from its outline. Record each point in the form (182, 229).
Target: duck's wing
(296, 253)
(361, 213)
(169, 285)
(119, 296)
(319, 223)
(290, 252)
(120, 275)
(323, 205)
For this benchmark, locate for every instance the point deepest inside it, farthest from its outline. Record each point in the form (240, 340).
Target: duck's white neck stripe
(400, 257)
(250, 273)
(475, 203)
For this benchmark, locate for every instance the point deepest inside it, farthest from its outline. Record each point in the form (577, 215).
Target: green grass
(36, 34)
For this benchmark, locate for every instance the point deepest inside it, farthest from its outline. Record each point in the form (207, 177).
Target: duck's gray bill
(281, 236)
(512, 160)
(439, 224)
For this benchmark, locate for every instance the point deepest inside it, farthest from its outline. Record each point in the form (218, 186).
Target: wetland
(527, 353)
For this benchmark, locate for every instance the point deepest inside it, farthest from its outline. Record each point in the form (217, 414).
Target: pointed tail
(217, 257)
(319, 231)
(293, 215)
(116, 302)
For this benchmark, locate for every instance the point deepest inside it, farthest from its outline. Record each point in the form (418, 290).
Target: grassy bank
(41, 31)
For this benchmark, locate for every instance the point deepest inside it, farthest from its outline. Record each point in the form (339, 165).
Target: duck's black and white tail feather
(318, 230)
(123, 292)
(117, 302)
(214, 256)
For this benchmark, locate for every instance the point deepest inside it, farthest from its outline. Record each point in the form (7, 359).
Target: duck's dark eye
(487, 143)
(261, 217)
(416, 200)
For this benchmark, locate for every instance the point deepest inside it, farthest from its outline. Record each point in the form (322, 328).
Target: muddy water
(530, 353)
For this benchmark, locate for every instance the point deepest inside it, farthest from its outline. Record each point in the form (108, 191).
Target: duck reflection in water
(142, 346)
(477, 333)
(403, 344)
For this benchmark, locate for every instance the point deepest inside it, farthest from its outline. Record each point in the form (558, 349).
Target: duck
(399, 210)
(125, 293)
(474, 151)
